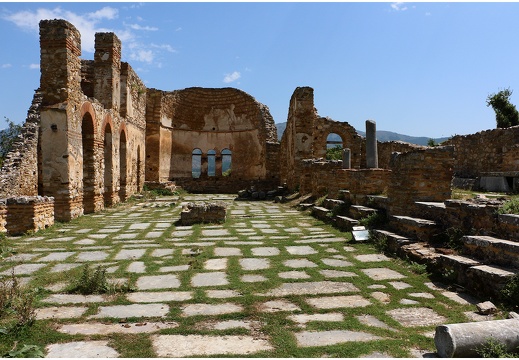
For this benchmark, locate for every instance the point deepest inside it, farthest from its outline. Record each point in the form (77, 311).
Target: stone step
(431, 210)
(419, 252)
(378, 201)
(332, 203)
(489, 279)
(455, 267)
(359, 212)
(420, 229)
(345, 223)
(321, 213)
(492, 250)
(393, 241)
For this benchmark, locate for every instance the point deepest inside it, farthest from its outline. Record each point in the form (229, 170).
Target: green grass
(273, 326)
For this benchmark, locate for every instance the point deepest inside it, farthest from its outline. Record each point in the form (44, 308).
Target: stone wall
(387, 148)
(201, 212)
(28, 213)
(486, 151)
(328, 177)
(19, 175)
(420, 175)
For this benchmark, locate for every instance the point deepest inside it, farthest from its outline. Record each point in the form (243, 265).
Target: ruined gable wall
(486, 151)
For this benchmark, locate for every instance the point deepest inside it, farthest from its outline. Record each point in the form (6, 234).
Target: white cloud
(178, 29)
(90, 23)
(146, 56)
(398, 6)
(145, 28)
(166, 47)
(6, 66)
(229, 78)
(34, 66)
(85, 23)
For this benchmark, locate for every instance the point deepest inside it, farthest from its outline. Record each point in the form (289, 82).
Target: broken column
(346, 158)
(203, 213)
(371, 145)
(462, 340)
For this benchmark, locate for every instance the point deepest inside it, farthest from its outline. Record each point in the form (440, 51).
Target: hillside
(381, 136)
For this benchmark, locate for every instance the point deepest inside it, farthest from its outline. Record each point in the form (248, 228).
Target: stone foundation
(202, 212)
(28, 213)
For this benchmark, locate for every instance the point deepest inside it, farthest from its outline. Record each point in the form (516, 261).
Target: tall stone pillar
(107, 70)
(60, 84)
(346, 158)
(371, 145)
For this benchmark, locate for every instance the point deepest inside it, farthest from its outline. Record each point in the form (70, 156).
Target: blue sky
(421, 69)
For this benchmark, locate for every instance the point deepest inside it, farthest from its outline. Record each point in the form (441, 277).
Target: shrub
(493, 348)
(510, 292)
(510, 207)
(16, 304)
(91, 282)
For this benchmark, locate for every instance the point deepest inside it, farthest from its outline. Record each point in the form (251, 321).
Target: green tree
(334, 153)
(7, 138)
(506, 113)
(432, 142)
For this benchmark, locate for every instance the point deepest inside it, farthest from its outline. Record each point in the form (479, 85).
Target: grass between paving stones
(273, 326)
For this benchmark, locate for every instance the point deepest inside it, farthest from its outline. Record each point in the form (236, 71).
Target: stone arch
(348, 135)
(123, 163)
(88, 150)
(108, 161)
(139, 169)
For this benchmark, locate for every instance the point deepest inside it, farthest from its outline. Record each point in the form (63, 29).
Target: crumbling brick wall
(486, 151)
(19, 173)
(28, 213)
(387, 148)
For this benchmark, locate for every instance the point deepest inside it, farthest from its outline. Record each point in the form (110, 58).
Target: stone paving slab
(216, 278)
(277, 306)
(130, 311)
(159, 296)
(61, 312)
(96, 328)
(337, 302)
(382, 274)
(82, 349)
(303, 319)
(254, 263)
(332, 337)
(73, 299)
(206, 345)
(210, 309)
(420, 316)
(311, 288)
(150, 282)
(23, 269)
(299, 263)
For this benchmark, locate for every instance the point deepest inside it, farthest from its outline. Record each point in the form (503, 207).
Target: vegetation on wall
(506, 113)
(7, 138)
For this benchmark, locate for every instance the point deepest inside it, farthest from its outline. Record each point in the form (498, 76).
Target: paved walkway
(269, 274)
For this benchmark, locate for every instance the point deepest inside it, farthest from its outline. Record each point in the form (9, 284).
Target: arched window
(226, 162)
(196, 163)
(334, 147)
(211, 163)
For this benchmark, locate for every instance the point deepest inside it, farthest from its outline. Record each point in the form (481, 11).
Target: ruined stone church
(95, 134)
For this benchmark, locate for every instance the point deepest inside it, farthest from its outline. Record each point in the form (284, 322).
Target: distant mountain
(381, 136)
